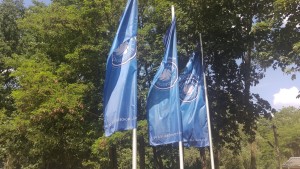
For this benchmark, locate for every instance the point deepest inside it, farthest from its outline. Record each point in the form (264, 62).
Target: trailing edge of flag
(120, 87)
(192, 104)
(163, 109)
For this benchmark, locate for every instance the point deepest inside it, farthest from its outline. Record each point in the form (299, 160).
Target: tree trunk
(142, 152)
(113, 157)
(217, 159)
(247, 80)
(202, 158)
(276, 146)
(253, 155)
(247, 76)
(9, 162)
(157, 161)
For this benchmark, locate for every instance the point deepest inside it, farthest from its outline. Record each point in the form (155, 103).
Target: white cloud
(286, 97)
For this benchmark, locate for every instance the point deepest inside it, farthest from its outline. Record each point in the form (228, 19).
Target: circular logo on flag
(168, 77)
(125, 52)
(188, 87)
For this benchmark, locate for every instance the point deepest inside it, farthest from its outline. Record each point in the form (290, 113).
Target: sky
(28, 2)
(276, 87)
(279, 89)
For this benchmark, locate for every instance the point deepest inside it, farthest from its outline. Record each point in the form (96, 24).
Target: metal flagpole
(207, 111)
(134, 148)
(180, 145)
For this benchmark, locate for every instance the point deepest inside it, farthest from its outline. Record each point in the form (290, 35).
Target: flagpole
(207, 110)
(134, 145)
(180, 145)
(134, 148)
(173, 12)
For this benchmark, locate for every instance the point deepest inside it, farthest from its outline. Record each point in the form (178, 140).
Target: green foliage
(287, 125)
(286, 34)
(56, 89)
(52, 67)
(10, 11)
(49, 117)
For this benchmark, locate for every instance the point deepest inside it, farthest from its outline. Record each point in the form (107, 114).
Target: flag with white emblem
(120, 87)
(192, 104)
(164, 120)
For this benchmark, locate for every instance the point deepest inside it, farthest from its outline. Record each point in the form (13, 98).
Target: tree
(281, 49)
(59, 76)
(10, 10)
(53, 60)
(226, 42)
(286, 122)
(49, 117)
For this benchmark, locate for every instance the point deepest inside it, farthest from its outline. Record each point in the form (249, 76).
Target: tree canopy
(52, 68)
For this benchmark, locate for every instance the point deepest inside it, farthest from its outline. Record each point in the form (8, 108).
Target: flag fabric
(120, 87)
(163, 109)
(192, 104)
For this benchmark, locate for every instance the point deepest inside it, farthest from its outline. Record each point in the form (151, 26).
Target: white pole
(180, 145)
(173, 12)
(207, 112)
(134, 148)
(181, 154)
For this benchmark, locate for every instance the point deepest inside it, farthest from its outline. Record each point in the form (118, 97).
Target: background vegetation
(52, 67)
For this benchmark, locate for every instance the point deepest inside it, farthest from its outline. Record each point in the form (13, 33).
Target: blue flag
(120, 87)
(163, 107)
(192, 104)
